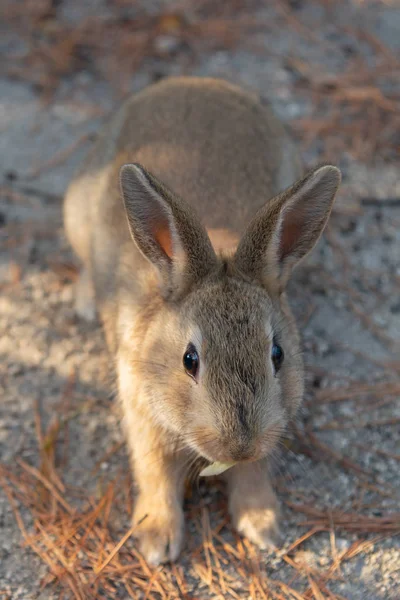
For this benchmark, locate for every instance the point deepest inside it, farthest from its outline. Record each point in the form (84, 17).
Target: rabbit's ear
(165, 229)
(287, 227)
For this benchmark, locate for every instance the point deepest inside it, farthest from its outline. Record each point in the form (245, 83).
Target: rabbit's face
(233, 374)
(220, 341)
(249, 379)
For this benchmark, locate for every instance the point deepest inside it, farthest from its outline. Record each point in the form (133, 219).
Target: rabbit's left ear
(166, 230)
(287, 227)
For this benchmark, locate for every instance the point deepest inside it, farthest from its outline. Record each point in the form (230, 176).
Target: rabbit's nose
(240, 435)
(241, 446)
(242, 452)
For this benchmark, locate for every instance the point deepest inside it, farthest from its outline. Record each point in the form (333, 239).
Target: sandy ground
(354, 272)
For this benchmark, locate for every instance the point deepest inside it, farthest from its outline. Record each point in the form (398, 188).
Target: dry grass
(87, 559)
(89, 555)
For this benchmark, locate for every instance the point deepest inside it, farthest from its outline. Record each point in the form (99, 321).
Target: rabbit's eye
(191, 361)
(277, 356)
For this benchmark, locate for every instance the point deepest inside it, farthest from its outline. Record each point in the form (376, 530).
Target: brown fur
(226, 158)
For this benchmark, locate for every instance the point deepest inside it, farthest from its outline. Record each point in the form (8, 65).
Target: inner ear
(162, 234)
(289, 234)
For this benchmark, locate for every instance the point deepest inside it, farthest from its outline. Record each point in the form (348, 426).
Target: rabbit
(188, 217)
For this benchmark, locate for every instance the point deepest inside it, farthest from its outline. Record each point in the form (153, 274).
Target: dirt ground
(331, 71)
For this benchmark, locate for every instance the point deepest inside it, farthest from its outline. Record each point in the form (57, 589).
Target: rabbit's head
(217, 347)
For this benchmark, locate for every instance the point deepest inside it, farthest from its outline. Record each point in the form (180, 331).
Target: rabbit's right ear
(165, 229)
(287, 227)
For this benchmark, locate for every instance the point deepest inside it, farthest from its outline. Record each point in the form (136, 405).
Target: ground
(330, 71)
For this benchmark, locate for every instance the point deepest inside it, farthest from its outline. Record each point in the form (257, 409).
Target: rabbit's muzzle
(233, 447)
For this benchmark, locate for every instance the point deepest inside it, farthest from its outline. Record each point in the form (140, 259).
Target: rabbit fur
(188, 217)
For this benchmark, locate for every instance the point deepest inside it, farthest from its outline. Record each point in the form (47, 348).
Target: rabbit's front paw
(159, 531)
(259, 525)
(253, 505)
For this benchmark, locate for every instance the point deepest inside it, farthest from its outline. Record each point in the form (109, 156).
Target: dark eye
(191, 361)
(277, 356)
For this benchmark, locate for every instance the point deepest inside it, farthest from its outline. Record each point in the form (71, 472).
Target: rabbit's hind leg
(84, 296)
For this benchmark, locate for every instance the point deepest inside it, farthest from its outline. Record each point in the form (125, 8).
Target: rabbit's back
(214, 144)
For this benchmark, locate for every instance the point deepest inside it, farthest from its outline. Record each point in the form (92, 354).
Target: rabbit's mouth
(216, 468)
(222, 454)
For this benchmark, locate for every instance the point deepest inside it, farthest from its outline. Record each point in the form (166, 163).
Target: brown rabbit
(194, 308)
